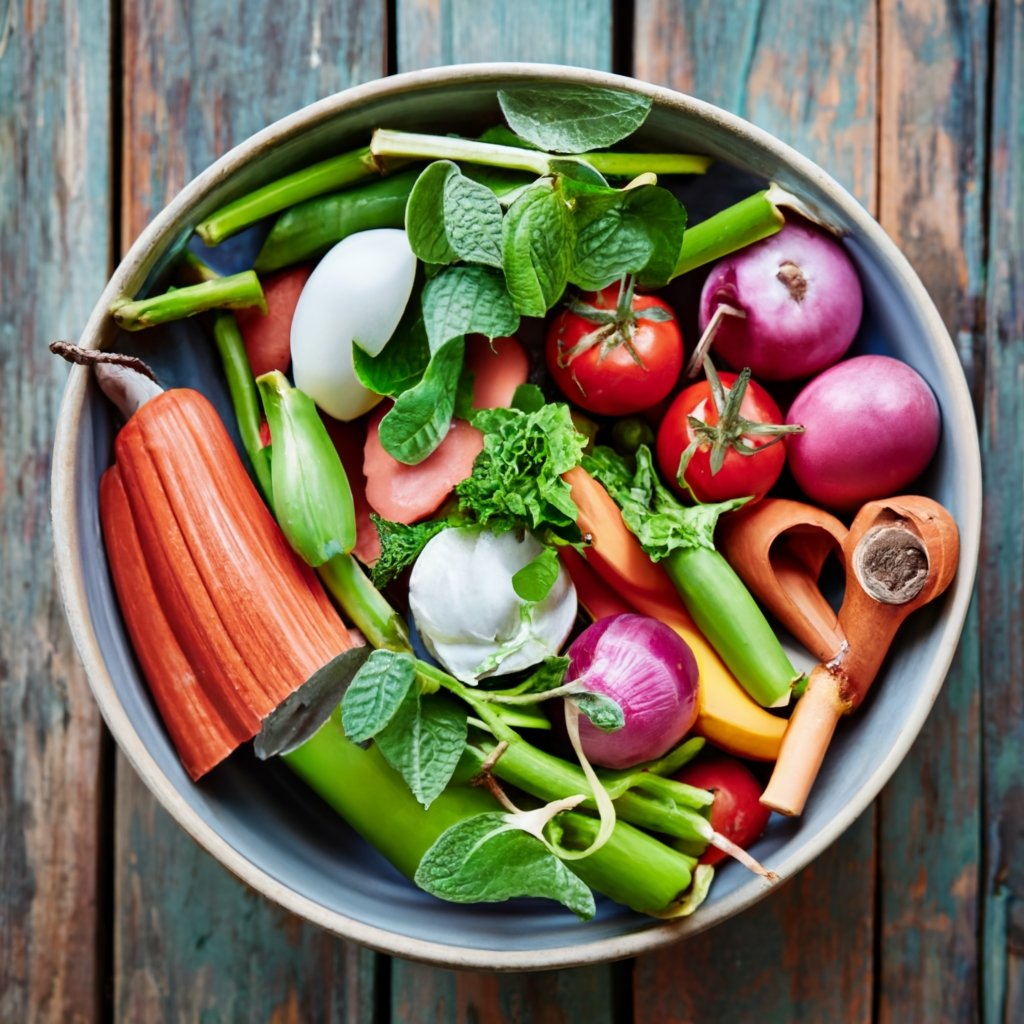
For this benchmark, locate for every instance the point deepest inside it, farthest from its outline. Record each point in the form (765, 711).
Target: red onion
(650, 672)
(871, 426)
(797, 304)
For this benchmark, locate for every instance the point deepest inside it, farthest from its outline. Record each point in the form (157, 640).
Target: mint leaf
(419, 420)
(401, 363)
(517, 479)
(472, 220)
(489, 859)
(376, 693)
(400, 546)
(423, 742)
(467, 300)
(424, 214)
(636, 231)
(573, 119)
(534, 581)
(537, 245)
(604, 712)
(528, 398)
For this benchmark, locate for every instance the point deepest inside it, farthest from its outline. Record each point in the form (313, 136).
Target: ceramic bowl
(256, 818)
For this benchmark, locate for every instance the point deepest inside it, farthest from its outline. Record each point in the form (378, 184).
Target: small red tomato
(722, 439)
(737, 812)
(614, 352)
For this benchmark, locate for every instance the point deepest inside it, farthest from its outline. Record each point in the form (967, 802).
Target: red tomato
(614, 352)
(739, 438)
(737, 812)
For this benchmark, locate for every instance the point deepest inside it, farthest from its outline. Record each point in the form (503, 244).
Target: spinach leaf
(538, 237)
(534, 581)
(419, 420)
(467, 300)
(573, 119)
(376, 693)
(517, 479)
(488, 859)
(401, 363)
(424, 214)
(400, 546)
(423, 742)
(472, 220)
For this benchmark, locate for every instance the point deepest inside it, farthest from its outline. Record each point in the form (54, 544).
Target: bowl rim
(68, 543)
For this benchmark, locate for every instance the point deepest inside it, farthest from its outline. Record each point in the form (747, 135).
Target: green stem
(365, 606)
(244, 398)
(632, 867)
(730, 618)
(329, 175)
(735, 227)
(307, 230)
(237, 291)
(629, 165)
(388, 143)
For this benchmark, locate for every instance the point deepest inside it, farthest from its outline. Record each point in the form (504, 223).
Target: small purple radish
(871, 426)
(787, 306)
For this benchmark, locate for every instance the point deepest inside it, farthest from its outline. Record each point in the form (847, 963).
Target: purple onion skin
(652, 674)
(791, 330)
(871, 426)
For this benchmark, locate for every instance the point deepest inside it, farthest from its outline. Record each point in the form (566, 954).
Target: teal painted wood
(807, 73)
(191, 942)
(933, 114)
(421, 995)
(433, 32)
(802, 955)
(55, 256)
(1000, 604)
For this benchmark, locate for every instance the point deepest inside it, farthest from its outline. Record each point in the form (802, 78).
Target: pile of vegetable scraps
(505, 576)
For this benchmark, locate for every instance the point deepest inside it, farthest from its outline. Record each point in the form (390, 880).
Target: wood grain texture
(54, 259)
(434, 32)
(191, 942)
(933, 109)
(422, 995)
(805, 72)
(1000, 604)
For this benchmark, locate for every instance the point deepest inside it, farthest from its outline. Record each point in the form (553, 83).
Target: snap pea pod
(309, 229)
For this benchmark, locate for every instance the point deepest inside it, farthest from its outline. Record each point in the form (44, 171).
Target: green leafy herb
(376, 693)
(472, 220)
(534, 581)
(517, 479)
(423, 742)
(424, 214)
(464, 300)
(650, 510)
(421, 416)
(528, 398)
(635, 231)
(401, 363)
(400, 546)
(604, 712)
(538, 237)
(489, 858)
(573, 119)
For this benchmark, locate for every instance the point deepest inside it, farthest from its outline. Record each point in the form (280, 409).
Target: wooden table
(107, 910)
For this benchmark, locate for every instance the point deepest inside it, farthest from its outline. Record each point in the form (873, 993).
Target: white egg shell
(357, 292)
(461, 596)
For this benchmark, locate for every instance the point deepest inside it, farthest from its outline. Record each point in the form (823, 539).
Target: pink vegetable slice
(267, 336)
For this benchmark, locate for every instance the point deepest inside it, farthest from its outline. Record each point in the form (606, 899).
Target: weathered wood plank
(807, 73)
(1000, 598)
(932, 165)
(433, 32)
(54, 259)
(193, 943)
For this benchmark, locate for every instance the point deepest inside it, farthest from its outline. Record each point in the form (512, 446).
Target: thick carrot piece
(727, 716)
(251, 619)
(204, 730)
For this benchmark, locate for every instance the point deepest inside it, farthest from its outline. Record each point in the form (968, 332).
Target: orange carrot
(249, 617)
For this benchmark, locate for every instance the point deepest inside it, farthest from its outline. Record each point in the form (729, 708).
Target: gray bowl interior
(261, 821)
